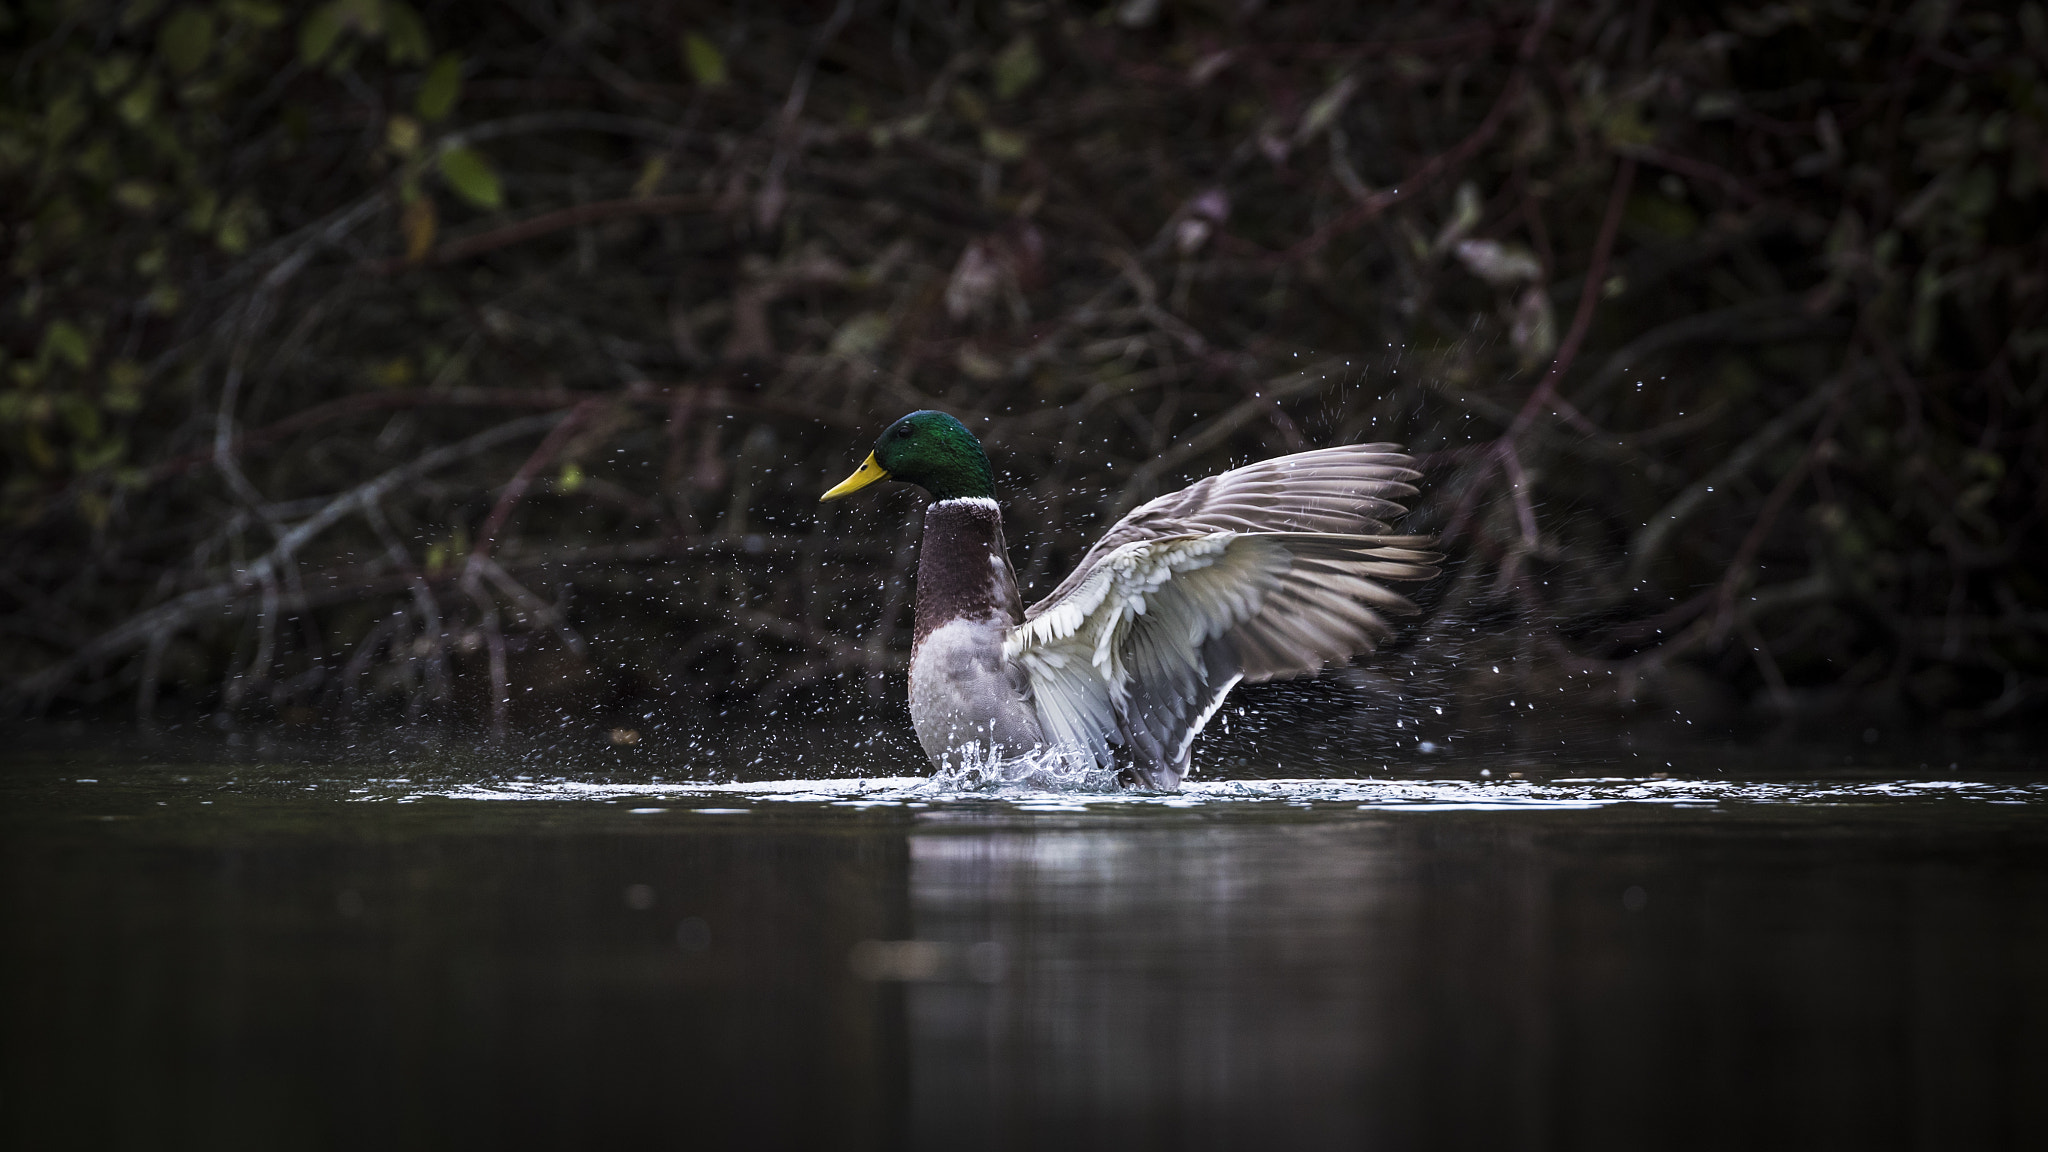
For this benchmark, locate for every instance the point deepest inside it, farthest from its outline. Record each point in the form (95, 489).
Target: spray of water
(979, 769)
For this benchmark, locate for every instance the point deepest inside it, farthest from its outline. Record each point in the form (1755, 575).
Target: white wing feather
(1263, 572)
(1142, 650)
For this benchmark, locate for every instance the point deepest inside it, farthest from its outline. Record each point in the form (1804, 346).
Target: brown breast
(963, 566)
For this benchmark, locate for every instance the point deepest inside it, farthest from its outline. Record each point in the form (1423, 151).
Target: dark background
(407, 358)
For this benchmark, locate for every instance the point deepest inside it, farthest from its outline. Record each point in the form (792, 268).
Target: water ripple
(1369, 794)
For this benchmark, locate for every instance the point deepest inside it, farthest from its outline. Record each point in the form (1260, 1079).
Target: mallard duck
(1260, 573)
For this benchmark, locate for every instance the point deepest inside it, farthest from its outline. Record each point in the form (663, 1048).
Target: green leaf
(1624, 127)
(365, 16)
(1976, 193)
(256, 12)
(138, 196)
(418, 222)
(860, 337)
(124, 387)
(79, 415)
(1017, 67)
(1990, 464)
(62, 118)
(1662, 215)
(96, 161)
(186, 40)
(65, 342)
(15, 152)
(402, 135)
(970, 106)
(205, 205)
(112, 74)
(92, 457)
(1003, 144)
(440, 90)
(140, 101)
(1326, 108)
(1466, 208)
(472, 177)
(138, 13)
(405, 35)
(705, 61)
(650, 176)
(396, 372)
(238, 225)
(319, 32)
(320, 35)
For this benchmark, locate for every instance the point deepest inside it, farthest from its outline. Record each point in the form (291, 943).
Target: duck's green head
(931, 450)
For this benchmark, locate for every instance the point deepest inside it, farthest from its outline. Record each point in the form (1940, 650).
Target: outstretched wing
(1350, 490)
(1140, 649)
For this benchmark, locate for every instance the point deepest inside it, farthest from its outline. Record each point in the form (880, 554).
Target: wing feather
(1142, 651)
(1352, 489)
(1267, 571)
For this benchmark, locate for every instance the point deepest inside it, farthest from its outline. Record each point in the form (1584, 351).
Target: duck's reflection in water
(1148, 986)
(1466, 982)
(1859, 971)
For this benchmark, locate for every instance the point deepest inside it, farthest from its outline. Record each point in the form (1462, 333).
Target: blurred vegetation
(443, 355)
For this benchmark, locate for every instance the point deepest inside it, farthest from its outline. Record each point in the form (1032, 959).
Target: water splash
(987, 772)
(1037, 786)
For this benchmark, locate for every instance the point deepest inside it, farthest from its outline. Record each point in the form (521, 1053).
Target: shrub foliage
(448, 354)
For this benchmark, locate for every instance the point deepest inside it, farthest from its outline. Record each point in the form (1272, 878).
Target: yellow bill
(870, 471)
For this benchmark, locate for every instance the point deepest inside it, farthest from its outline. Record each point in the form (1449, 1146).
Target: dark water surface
(336, 955)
